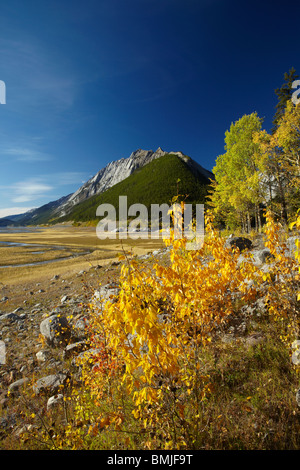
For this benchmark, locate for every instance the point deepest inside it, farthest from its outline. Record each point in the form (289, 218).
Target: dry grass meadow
(78, 248)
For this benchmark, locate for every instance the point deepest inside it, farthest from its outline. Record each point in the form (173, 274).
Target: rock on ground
(56, 329)
(239, 242)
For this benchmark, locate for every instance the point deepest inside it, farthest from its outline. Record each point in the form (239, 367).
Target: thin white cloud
(39, 188)
(26, 154)
(29, 190)
(14, 211)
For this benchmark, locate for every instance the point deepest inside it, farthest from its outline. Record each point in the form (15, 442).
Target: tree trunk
(256, 218)
(283, 211)
(248, 222)
(259, 219)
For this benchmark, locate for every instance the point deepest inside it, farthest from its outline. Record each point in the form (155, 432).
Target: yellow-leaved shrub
(283, 280)
(153, 335)
(146, 380)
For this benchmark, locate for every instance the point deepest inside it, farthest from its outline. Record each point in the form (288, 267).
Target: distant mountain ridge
(4, 222)
(41, 215)
(109, 176)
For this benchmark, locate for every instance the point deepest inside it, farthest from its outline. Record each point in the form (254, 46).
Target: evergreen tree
(284, 94)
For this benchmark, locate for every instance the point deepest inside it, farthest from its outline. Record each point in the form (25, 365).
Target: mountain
(107, 178)
(41, 215)
(117, 171)
(18, 217)
(7, 222)
(155, 183)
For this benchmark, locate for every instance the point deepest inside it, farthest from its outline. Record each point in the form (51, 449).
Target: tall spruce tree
(284, 93)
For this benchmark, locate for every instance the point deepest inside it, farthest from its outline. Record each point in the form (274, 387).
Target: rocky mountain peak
(108, 176)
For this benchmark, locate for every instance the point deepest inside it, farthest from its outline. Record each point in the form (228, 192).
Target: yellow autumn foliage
(147, 378)
(158, 327)
(284, 280)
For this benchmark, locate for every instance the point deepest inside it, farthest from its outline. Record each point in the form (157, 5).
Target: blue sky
(90, 82)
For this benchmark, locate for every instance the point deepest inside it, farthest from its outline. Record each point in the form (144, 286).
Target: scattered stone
(56, 329)
(36, 310)
(79, 328)
(19, 309)
(291, 245)
(156, 252)
(27, 428)
(296, 357)
(10, 316)
(17, 385)
(42, 355)
(54, 311)
(241, 243)
(51, 383)
(84, 356)
(264, 255)
(54, 401)
(107, 293)
(145, 256)
(73, 348)
(296, 353)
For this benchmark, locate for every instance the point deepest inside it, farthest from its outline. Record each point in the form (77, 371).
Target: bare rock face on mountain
(110, 175)
(117, 171)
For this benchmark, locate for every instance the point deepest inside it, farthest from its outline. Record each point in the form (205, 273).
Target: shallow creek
(40, 249)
